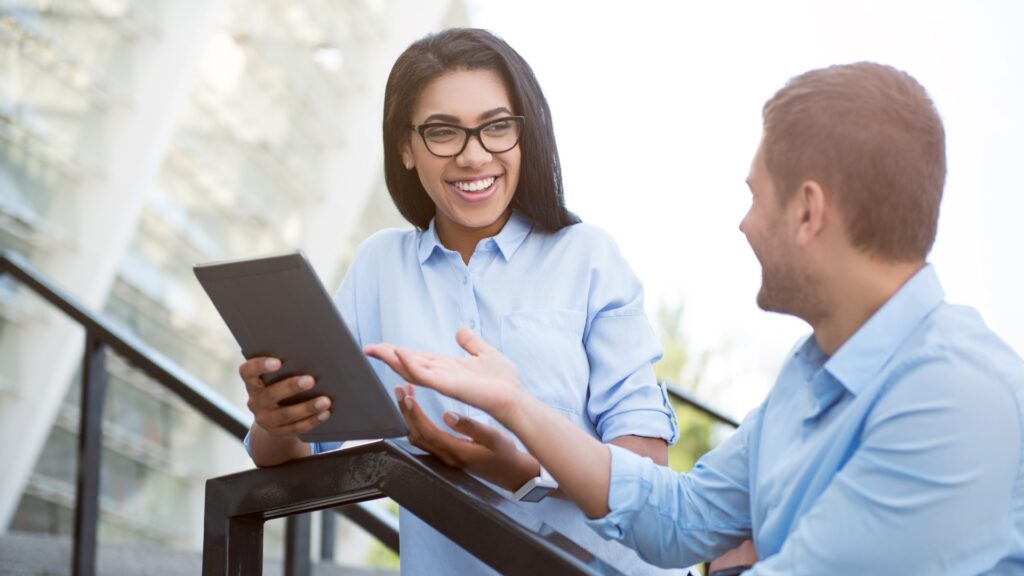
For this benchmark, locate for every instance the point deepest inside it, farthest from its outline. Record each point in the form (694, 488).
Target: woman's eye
(440, 134)
(498, 127)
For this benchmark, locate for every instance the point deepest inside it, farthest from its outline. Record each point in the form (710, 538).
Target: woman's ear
(407, 156)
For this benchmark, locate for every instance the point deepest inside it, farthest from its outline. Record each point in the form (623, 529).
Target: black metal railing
(101, 336)
(690, 400)
(500, 532)
(482, 522)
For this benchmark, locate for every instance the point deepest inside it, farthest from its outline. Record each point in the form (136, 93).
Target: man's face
(786, 287)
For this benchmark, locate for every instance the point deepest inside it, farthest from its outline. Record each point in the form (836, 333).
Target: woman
(470, 160)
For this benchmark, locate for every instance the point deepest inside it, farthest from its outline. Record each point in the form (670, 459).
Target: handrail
(690, 400)
(500, 532)
(155, 365)
(101, 334)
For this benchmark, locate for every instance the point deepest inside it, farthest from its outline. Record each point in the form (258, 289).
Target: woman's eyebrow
(449, 119)
(493, 113)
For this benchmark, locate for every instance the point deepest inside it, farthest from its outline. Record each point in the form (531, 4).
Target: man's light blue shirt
(899, 454)
(564, 306)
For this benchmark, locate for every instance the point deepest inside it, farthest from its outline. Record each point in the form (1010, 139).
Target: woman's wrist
(270, 450)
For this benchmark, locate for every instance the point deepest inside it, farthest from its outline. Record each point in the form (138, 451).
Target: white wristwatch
(536, 488)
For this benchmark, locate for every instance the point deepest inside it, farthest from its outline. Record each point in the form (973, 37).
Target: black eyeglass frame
(470, 132)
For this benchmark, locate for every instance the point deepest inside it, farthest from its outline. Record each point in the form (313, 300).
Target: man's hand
(487, 452)
(486, 379)
(489, 381)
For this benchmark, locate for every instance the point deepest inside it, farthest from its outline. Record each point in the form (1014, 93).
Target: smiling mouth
(475, 190)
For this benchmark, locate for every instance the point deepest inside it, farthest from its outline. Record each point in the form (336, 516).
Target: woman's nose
(473, 154)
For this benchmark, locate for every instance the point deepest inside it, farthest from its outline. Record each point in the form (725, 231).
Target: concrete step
(29, 554)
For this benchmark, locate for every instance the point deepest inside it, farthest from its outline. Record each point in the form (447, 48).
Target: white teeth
(475, 185)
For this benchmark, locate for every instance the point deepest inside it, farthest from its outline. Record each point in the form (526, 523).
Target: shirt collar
(508, 240)
(861, 357)
(512, 235)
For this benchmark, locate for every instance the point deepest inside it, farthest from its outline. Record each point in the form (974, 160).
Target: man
(891, 442)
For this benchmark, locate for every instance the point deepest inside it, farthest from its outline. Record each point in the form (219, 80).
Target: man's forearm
(580, 463)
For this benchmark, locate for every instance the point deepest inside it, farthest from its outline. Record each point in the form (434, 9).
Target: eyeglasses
(448, 140)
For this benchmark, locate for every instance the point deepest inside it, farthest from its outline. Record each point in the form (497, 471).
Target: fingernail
(272, 364)
(321, 403)
(400, 393)
(306, 382)
(408, 402)
(323, 416)
(455, 418)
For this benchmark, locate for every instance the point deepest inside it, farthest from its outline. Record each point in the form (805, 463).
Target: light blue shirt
(900, 454)
(565, 307)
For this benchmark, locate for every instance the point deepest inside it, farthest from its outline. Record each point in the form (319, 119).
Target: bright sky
(657, 112)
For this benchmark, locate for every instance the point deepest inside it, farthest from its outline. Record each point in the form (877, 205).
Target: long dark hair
(539, 193)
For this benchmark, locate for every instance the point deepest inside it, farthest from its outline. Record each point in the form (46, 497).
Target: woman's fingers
(283, 417)
(423, 433)
(273, 394)
(253, 368)
(302, 426)
(481, 433)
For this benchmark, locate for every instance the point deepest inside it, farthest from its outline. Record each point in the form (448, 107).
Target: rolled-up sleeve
(625, 397)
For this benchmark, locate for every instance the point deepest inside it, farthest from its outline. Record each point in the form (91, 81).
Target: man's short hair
(870, 135)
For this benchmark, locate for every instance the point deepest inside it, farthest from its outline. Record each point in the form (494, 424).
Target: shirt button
(472, 323)
(465, 280)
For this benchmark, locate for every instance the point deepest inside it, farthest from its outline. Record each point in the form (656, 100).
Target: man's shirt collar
(864, 354)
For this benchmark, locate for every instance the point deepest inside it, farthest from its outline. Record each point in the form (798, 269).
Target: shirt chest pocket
(547, 347)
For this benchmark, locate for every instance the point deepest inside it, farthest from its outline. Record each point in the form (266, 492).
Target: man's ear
(812, 207)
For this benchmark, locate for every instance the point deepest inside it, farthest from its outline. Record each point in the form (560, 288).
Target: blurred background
(140, 137)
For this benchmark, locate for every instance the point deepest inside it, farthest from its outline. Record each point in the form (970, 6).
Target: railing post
(90, 444)
(327, 521)
(296, 545)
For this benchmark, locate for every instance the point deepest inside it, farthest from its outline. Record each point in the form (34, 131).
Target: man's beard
(787, 288)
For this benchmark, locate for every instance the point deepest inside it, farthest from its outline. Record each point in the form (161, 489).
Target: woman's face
(472, 190)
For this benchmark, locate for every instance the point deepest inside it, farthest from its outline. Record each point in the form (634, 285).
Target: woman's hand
(486, 379)
(488, 452)
(279, 421)
(743, 555)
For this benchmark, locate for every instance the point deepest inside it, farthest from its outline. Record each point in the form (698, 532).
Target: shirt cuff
(321, 447)
(626, 492)
(645, 422)
(245, 441)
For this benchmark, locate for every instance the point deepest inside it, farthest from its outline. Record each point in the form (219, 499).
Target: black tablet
(277, 306)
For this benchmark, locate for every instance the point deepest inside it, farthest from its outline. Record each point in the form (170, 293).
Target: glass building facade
(137, 139)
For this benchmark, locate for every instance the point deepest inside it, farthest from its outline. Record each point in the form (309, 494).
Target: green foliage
(685, 371)
(381, 556)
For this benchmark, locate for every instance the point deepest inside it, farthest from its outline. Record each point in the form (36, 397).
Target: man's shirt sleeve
(674, 519)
